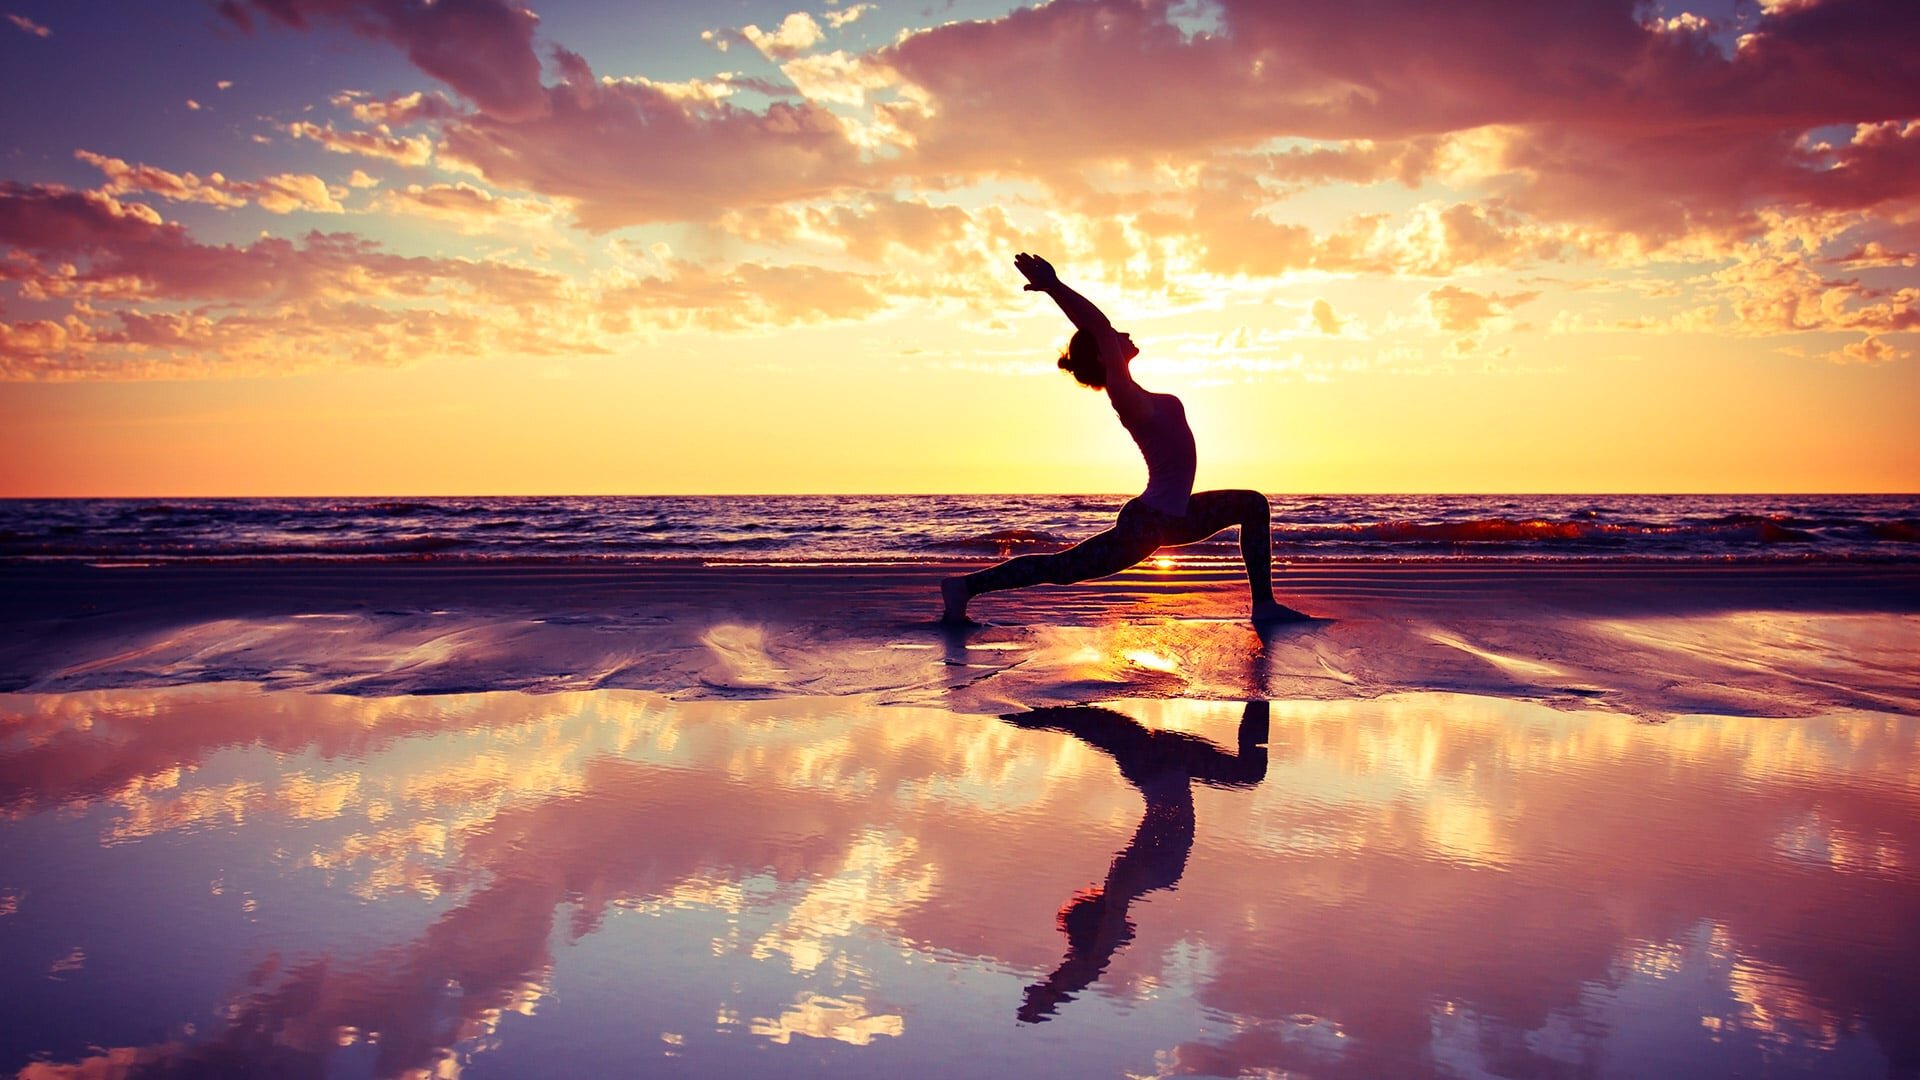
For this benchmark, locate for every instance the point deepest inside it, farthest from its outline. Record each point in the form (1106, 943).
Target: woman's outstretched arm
(1079, 310)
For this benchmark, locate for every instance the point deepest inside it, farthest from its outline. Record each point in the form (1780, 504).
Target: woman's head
(1082, 360)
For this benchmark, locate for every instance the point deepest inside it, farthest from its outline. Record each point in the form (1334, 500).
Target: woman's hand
(1038, 271)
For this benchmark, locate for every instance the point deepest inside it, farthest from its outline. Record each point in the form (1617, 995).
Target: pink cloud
(1880, 164)
(29, 26)
(1606, 120)
(483, 49)
(1600, 117)
(142, 298)
(271, 305)
(628, 152)
(129, 252)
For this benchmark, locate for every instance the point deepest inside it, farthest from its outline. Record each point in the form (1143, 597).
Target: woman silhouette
(1167, 513)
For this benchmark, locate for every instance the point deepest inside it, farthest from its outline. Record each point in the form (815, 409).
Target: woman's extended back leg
(1108, 553)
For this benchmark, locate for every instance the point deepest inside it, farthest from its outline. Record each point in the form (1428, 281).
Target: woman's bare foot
(953, 593)
(1269, 612)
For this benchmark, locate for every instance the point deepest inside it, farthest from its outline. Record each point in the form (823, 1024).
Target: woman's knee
(1250, 505)
(1234, 505)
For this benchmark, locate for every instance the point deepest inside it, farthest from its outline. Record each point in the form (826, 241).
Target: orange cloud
(1463, 311)
(280, 194)
(405, 150)
(466, 207)
(742, 297)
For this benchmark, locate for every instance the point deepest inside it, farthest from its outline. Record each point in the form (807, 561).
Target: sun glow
(1152, 661)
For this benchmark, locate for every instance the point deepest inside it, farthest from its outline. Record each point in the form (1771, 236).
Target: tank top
(1165, 440)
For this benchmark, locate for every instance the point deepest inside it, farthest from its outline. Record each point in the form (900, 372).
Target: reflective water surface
(222, 878)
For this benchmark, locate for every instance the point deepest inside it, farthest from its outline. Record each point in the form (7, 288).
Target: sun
(1163, 562)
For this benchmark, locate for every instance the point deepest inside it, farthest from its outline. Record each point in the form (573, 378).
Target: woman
(1168, 512)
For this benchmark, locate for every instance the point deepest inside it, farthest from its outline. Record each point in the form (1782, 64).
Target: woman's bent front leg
(1208, 512)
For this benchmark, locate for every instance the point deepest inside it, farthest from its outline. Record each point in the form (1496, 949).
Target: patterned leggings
(1140, 532)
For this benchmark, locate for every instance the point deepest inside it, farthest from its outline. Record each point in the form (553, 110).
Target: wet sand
(1484, 820)
(1649, 640)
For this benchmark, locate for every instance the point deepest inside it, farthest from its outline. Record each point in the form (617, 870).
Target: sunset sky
(639, 246)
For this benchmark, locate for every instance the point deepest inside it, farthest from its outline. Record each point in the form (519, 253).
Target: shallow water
(614, 882)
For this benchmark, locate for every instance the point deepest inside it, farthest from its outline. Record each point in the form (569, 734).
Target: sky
(340, 247)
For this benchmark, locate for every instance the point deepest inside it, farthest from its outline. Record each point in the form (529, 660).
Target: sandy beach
(1482, 819)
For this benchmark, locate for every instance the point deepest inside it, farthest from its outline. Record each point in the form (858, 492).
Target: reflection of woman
(1163, 765)
(1168, 512)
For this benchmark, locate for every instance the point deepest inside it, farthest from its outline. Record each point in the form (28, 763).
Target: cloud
(1591, 116)
(743, 297)
(1879, 164)
(842, 17)
(629, 152)
(1323, 318)
(1780, 292)
(838, 78)
(468, 208)
(89, 243)
(874, 229)
(403, 149)
(282, 194)
(483, 49)
(1463, 311)
(1868, 350)
(29, 26)
(271, 305)
(398, 109)
(143, 299)
(1601, 120)
(796, 34)
(1554, 118)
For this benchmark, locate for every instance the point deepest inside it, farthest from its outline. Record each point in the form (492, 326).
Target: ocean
(909, 528)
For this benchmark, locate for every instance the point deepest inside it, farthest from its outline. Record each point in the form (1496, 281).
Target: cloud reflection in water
(1420, 884)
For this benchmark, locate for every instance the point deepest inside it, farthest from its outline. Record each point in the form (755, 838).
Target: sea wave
(1003, 542)
(908, 528)
(1756, 529)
